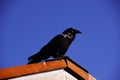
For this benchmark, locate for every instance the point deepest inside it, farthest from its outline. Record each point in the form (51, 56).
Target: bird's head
(71, 31)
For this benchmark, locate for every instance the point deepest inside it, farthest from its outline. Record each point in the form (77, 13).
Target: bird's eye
(72, 31)
(70, 35)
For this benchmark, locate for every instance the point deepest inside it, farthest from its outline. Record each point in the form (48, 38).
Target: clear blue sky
(27, 25)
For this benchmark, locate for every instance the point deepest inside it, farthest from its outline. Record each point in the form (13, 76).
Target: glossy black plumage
(57, 47)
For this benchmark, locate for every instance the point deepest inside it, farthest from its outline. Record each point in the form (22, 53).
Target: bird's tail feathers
(30, 58)
(32, 61)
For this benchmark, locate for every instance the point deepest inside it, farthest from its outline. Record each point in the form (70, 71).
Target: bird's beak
(77, 31)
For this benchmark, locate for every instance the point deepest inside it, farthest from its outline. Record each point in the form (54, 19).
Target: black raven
(57, 47)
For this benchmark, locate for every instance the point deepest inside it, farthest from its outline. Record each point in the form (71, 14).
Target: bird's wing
(48, 50)
(56, 44)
